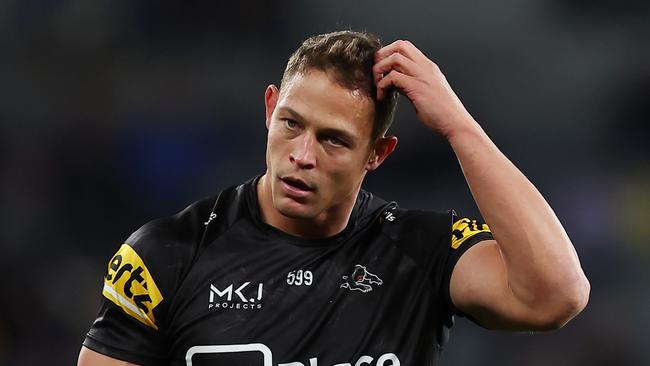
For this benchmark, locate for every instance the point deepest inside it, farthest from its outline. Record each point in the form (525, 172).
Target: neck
(328, 223)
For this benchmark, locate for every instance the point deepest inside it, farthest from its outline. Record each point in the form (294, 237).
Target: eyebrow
(292, 112)
(328, 130)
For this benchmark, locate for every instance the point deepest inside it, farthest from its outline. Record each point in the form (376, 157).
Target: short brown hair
(348, 57)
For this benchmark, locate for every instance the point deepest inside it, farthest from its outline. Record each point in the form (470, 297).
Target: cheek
(345, 173)
(273, 146)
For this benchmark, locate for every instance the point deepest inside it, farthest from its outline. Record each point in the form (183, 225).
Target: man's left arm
(529, 278)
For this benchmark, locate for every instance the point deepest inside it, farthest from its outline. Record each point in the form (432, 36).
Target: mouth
(296, 184)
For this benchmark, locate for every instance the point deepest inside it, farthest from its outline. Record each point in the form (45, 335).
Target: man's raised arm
(529, 278)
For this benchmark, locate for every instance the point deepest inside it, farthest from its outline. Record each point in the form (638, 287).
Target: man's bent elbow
(567, 305)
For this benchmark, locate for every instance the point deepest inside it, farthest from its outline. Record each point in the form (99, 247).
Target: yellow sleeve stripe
(126, 304)
(464, 229)
(129, 285)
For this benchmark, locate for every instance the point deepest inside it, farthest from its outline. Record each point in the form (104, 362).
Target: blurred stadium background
(115, 112)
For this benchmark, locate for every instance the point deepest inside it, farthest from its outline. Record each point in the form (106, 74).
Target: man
(301, 267)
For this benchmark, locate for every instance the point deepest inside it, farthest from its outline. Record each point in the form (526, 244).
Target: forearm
(541, 263)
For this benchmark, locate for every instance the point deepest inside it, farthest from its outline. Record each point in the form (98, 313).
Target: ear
(270, 100)
(383, 147)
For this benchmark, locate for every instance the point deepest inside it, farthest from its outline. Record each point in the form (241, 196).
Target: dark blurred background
(114, 112)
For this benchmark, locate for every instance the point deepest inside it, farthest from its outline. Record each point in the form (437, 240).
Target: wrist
(462, 129)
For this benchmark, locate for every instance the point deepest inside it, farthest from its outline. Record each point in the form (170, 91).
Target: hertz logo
(130, 286)
(464, 229)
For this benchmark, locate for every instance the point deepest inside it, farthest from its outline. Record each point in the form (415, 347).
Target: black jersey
(215, 285)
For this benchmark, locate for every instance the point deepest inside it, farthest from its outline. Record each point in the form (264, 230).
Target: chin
(295, 210)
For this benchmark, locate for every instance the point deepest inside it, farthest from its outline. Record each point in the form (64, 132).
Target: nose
(303, 154)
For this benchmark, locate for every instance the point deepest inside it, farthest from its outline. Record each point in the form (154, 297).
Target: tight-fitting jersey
(215, 285)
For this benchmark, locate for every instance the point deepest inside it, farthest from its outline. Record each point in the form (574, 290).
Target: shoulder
(177, 236)
(169, 245)
(173, 234)
(142, 275)
(423, 235)
(145, 272)
(412, 224)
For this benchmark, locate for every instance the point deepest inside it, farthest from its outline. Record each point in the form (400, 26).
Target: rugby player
(300, 266)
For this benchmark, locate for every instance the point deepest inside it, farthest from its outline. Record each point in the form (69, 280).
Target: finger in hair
(406, 48)
(397, 62)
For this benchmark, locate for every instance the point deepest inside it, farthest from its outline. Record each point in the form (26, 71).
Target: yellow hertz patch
(130, 286)
(464, 229)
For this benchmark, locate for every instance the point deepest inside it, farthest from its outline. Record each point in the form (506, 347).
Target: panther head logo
(361, 280)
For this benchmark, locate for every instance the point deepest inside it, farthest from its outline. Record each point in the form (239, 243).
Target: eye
(290, 124)
(335, 141)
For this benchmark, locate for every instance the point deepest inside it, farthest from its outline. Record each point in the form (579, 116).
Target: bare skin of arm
(530, 277)
(88, 357)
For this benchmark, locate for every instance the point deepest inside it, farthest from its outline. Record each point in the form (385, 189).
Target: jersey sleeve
(465, 233)
(139, 284)
(129, 324)
(435, 241)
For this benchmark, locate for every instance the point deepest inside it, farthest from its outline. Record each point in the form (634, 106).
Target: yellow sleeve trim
(464, 229)
(129, 284)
